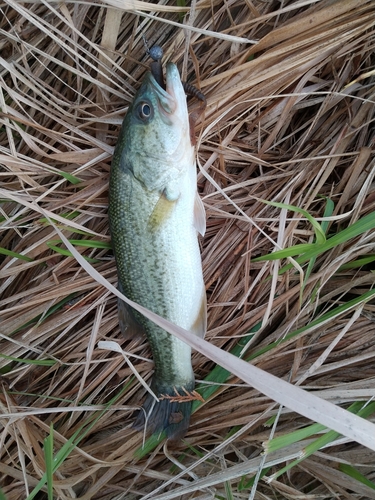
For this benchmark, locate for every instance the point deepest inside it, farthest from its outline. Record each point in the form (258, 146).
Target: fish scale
(154, 214)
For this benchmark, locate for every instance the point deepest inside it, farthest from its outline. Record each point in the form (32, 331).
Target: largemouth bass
(155, 213)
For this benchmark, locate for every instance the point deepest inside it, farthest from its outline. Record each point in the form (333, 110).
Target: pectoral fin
(199, 215)
(161, 212)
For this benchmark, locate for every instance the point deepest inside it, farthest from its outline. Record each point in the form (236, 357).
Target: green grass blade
(292, 251)
(48, 458)
(228, 491)
(309, 450)
(218, 374)
(49, 398)
(359, 408)
(355, 264)
(319, 233)
(74, 440)
(9, 253)
(38, 362)
(318, 321)
(61, 455)
(361, 226)
(61, 251)
(67, 253)
(69, 177)
(293, 437)
(150, 444)
(328, 211)
(49, 312)
(355, 474)
(181, 15)
(68, 216)
(83, 243)
(245, 485)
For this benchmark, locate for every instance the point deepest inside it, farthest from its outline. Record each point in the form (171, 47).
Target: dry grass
(290, 120)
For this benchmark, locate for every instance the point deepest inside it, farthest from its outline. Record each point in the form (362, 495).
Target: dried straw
(290, 119)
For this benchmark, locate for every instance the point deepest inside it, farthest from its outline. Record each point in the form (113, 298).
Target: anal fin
(129, 326)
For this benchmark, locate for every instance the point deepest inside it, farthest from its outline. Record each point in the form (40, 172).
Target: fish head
(156, 132)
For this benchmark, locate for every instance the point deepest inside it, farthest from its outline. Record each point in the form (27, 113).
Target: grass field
(285, 159)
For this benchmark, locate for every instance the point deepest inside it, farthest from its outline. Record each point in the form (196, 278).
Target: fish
(155, 215)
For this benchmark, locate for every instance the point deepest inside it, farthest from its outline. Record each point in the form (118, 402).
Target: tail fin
(169, 414)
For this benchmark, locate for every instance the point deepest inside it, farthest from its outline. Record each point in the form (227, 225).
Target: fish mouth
(172, 99)
(166, 101)
(174, 85)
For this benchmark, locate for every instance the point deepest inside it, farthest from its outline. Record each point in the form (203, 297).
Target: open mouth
(167, 95)
(172, 93)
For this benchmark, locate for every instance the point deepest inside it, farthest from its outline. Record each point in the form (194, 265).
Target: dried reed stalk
(290, 119)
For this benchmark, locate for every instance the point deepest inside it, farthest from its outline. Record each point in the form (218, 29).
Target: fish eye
(144, 111)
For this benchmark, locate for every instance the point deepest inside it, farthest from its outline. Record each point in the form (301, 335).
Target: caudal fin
(171, 414)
